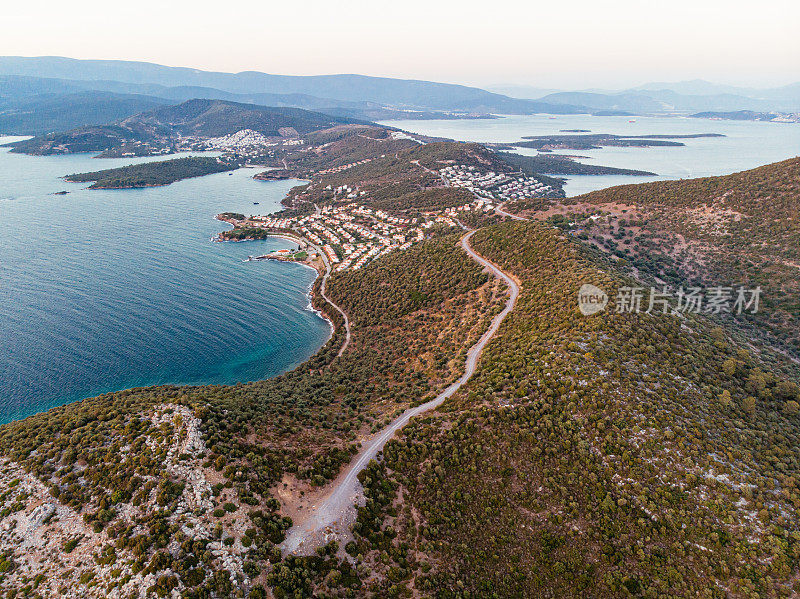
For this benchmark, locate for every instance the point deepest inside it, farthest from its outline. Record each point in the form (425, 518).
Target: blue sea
(102, 290)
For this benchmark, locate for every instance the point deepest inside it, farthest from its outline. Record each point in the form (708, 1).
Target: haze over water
(102, 290)
(746, 145)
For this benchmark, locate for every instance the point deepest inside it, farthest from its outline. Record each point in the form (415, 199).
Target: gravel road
(333, 516)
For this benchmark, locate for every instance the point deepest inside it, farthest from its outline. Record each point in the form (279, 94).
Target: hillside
(734, 230)
(194, 486)
(214, 118)
(608, 456)
(164, 127)
(394, 172)
(616, 455)
(45, 113)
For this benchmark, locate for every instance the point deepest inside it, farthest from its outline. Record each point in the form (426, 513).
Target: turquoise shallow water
(103, 290)
(747, 144)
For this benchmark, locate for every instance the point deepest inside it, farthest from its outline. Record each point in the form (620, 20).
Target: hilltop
(166, 127)
(732, 230)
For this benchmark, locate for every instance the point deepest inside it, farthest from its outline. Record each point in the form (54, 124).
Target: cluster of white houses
(345, 191)
(353, 235)
(244, 141)
(477, 206)
(494, 186)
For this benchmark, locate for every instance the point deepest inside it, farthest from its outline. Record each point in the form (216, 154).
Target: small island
(278, 174)
(595, 141)
(153, 174)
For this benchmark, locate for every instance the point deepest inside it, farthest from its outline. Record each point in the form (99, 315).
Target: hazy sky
(557, 43)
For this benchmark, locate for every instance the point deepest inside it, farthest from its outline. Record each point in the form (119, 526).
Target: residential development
(353, 235)
(495, 186)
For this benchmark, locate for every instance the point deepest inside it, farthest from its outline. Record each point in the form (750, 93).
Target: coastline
(313, 293)
(225, 368)
(313, 297)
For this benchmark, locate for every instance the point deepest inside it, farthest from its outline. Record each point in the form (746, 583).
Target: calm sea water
(103, 290)
(747, 144)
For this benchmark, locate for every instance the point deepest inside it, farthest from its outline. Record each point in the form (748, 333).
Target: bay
(102, 290)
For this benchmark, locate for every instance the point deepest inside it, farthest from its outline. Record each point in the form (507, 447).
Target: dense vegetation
(611, 456)
(149, 174)
(245, 234)
(735, 230)
(408, 341)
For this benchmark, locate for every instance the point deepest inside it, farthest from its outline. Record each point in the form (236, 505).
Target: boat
(255, 203)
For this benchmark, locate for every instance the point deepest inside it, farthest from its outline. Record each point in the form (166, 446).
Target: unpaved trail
(333, 516)
(500, 209)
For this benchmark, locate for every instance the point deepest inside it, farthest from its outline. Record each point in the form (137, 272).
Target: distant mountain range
(340, 92)
(41, 95)
(44, 113)
(682, 97)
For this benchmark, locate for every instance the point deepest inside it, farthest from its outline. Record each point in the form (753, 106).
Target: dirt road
(333, 516)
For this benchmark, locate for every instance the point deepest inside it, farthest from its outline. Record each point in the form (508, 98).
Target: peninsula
(466, 431)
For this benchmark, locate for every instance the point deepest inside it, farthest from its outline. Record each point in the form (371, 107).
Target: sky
(565, 44)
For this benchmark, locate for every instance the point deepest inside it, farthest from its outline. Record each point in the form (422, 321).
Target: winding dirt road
(334, 515)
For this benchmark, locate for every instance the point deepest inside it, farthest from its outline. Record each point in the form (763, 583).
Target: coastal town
(352, 235)
(494, 186)
(349, 232)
